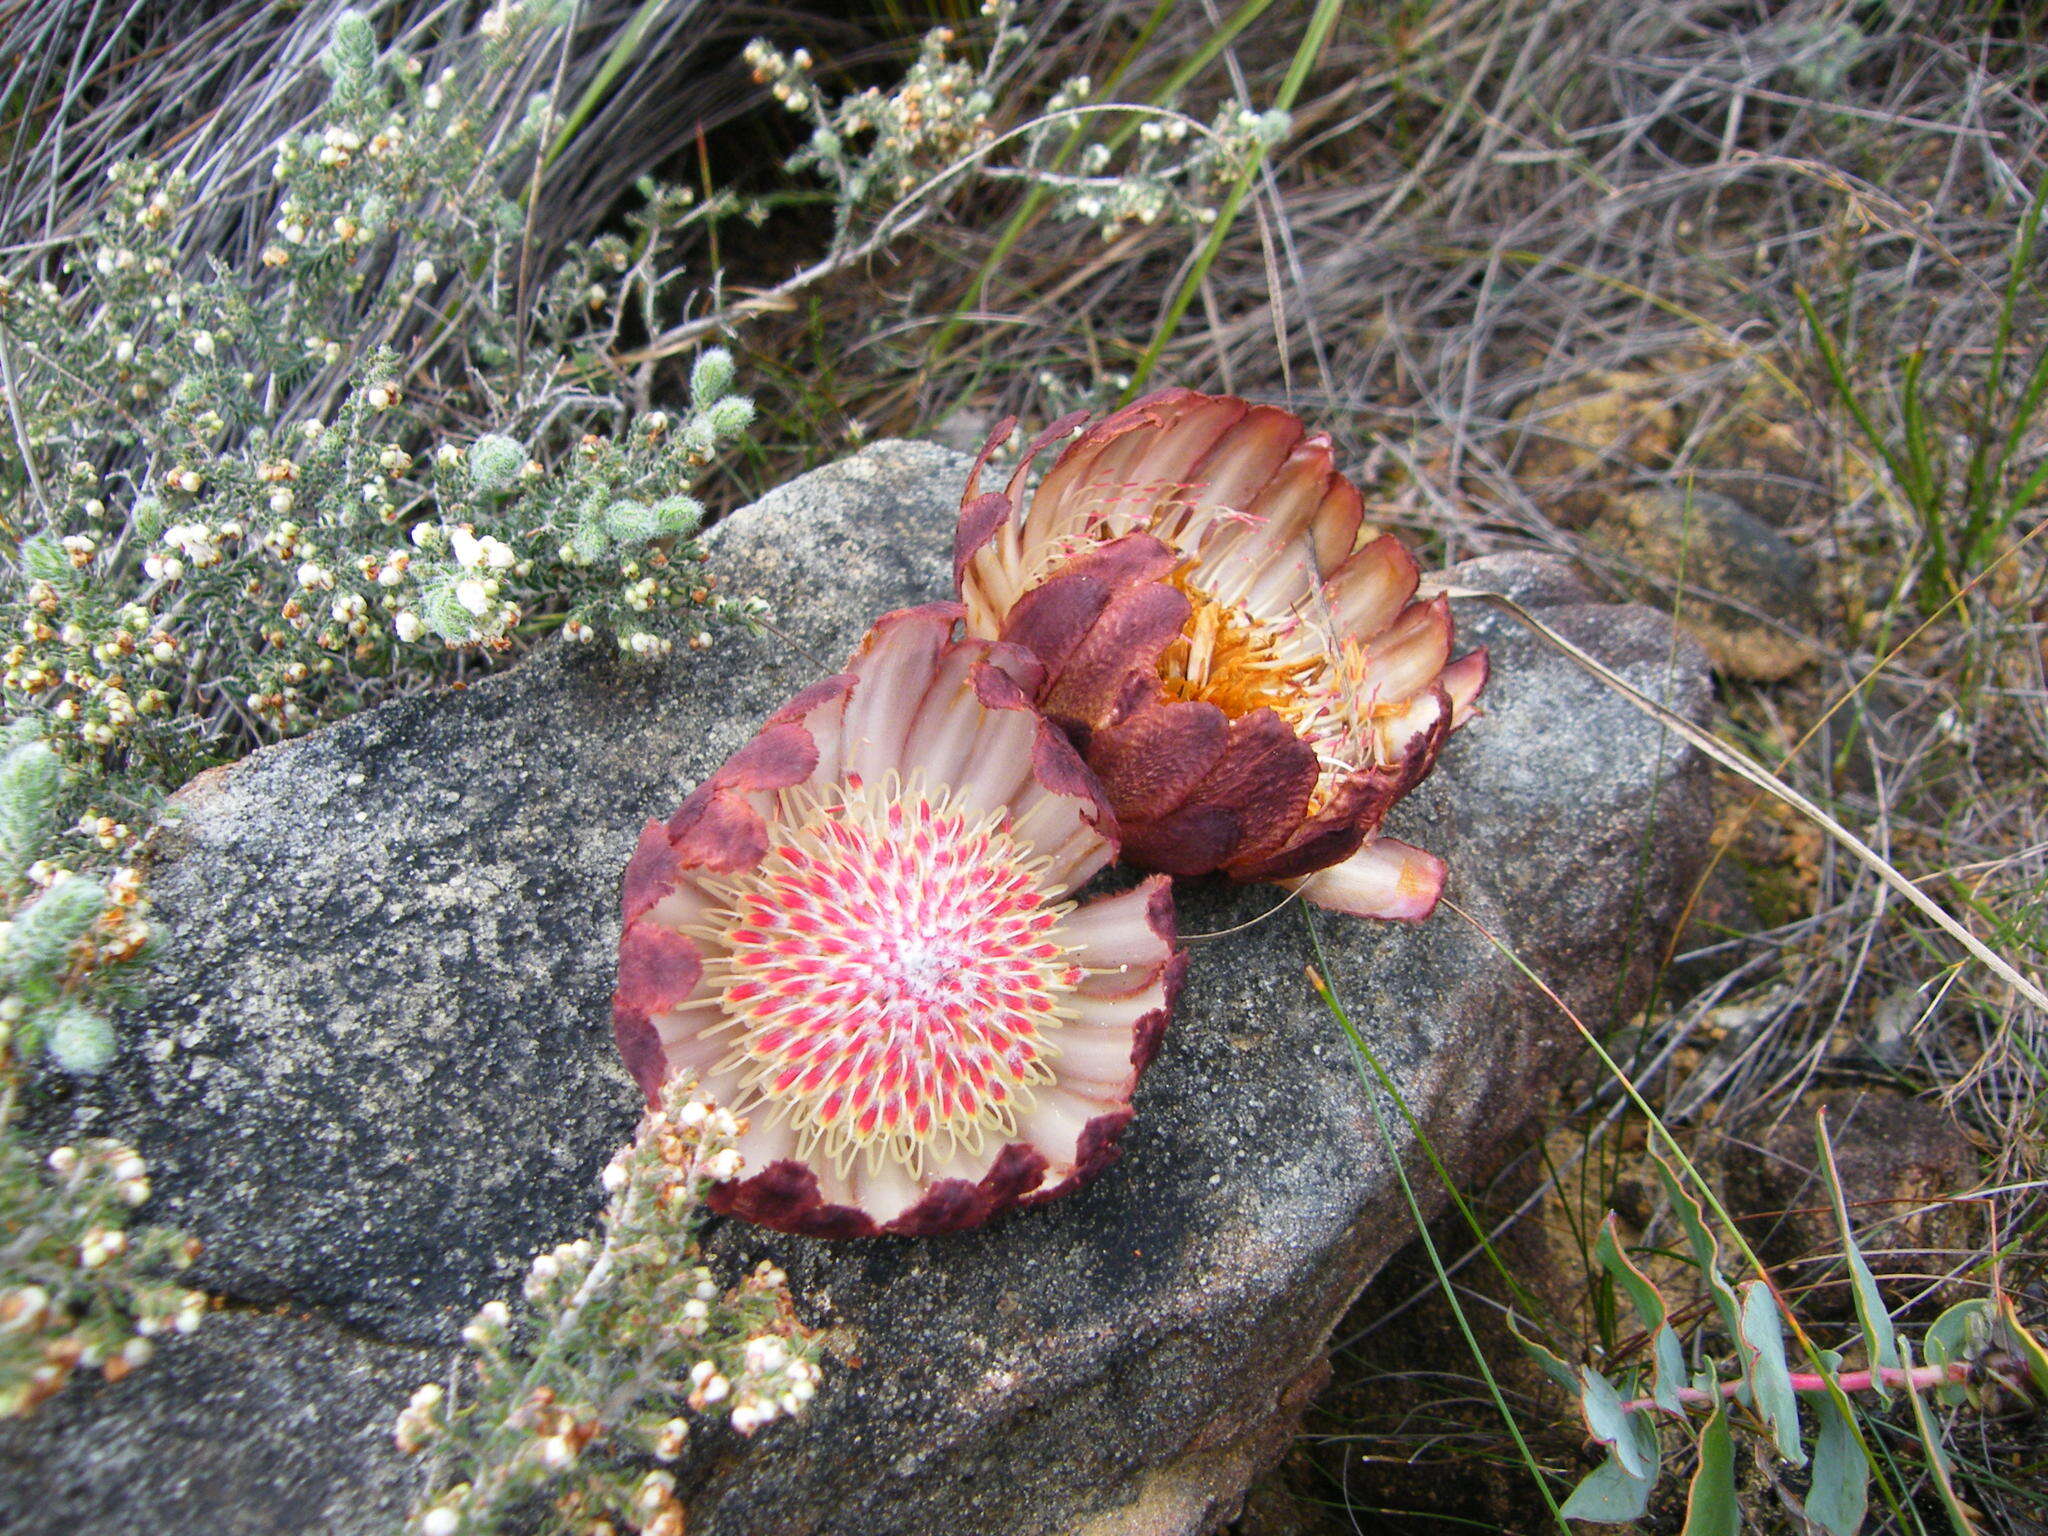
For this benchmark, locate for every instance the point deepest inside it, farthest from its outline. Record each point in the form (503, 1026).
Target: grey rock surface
(252, 1426)
(1707, 546)
(376, 1072)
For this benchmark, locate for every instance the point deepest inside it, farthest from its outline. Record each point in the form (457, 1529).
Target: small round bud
(732, 415)
(495, 462)
(79, 1040)
(711, 378)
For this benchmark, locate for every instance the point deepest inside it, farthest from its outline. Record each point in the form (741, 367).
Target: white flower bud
(726, 1164)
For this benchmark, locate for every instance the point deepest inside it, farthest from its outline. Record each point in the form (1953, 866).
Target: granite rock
(375, 1070)
(1582, 441)
(1748, 592)
(255, 1425)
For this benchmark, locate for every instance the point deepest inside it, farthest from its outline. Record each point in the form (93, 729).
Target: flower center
(1240, 661)
(892, 976)
(1226, 657)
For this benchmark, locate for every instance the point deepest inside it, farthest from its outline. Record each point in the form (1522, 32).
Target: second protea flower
(1245, 666)
(859, 934)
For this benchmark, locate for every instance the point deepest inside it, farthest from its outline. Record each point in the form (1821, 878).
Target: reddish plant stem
(1920, 1376)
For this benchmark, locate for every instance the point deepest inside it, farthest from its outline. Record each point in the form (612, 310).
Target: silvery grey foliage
(255, 497)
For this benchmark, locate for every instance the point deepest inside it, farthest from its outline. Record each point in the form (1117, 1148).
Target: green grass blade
(2017, 432)
(1035, 200)
(1320, 25)
(1706, 1250)
(616, 58)
(2024, 1344)
(1937, 1459)
(1371, 1071)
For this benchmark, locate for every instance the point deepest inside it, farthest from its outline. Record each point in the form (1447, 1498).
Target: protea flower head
(1241, 661)
(859, 934)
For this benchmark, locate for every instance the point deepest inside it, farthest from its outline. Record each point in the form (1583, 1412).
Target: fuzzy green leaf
(732, 415)
(678, 516)
(78, 1039)
(631, 522)
(1870, 1309)
(1649, 1306)
(148, 518)
(48, 926)
(495, 462)
(44, 558)
(1710, 1506)
(31, 779)
(1840, 1490)
(1763, 1348)
(445, 614)
(711, 377)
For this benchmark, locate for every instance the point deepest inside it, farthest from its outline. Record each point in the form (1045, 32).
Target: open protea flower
(858, 934)
(1242, 663)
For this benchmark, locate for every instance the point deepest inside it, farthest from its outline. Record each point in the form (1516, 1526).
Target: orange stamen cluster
(1228, 658)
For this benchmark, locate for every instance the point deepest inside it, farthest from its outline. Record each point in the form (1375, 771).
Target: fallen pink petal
(860, 934)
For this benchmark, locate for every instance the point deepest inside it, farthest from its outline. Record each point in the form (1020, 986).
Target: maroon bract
(1242, 662)
(858, 933)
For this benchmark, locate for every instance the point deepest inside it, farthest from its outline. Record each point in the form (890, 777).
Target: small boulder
(254, 1425)
(1583, 441)
(1695, 542)
(375, 1072)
